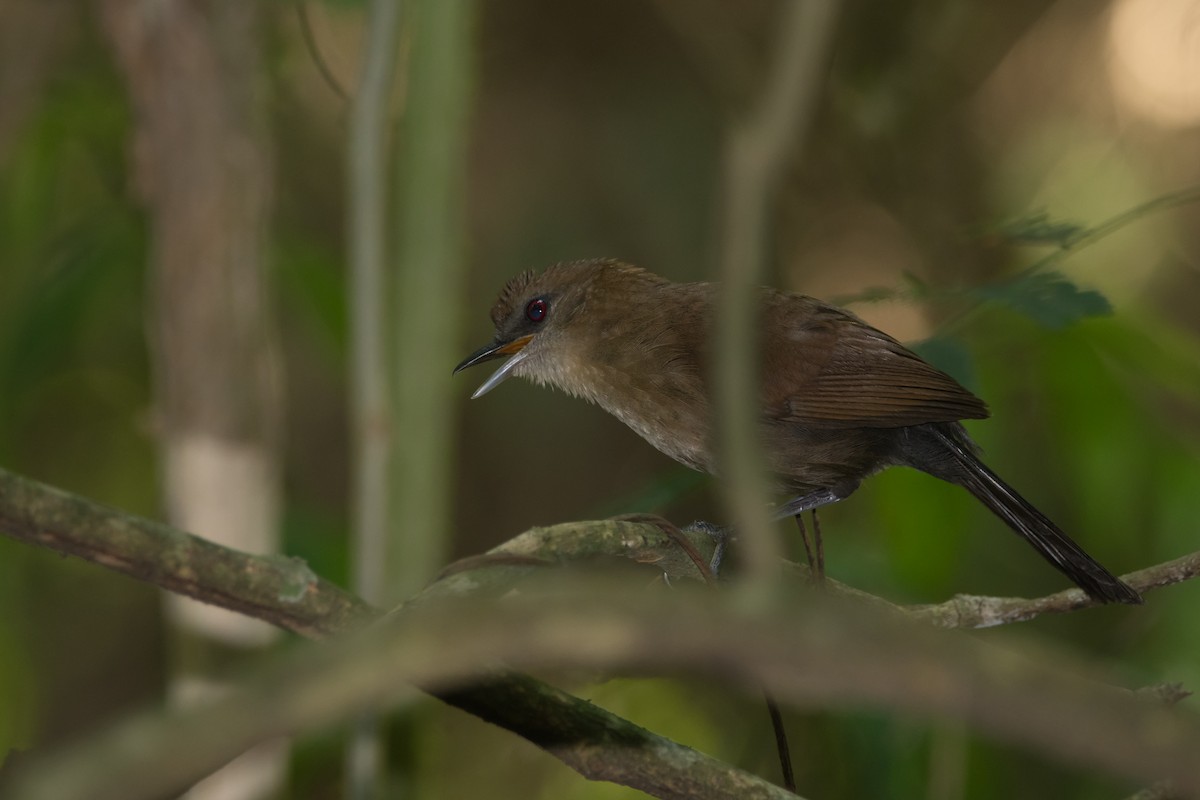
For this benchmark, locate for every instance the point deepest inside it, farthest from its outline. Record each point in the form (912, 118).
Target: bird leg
(792, 508)
(808, 551)
(820, 542)
(813, 551)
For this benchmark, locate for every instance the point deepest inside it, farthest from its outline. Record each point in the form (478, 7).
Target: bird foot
(708, 571)
(719, 535)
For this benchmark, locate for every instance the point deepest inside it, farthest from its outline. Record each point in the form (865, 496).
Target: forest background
(951, 184)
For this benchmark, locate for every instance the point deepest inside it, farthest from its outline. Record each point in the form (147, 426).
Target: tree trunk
(202, 166)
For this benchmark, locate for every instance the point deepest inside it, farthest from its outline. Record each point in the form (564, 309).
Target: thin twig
(781, 742)
(367, 221)
(430, 235)
(310, 42)
(973, 611)
(370, 367)
(759, 148)
(1091, 235)
(1084, 238)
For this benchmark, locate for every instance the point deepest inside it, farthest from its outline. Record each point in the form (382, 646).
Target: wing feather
(833, 370)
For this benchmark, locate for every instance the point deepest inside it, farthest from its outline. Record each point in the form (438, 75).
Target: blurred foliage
(1047, 298)
(597, 131)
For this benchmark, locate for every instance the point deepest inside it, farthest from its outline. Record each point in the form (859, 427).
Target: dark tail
(1046, 537)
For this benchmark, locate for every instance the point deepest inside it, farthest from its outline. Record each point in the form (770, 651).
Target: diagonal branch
(810, 649)
(597, 744)
(285, 592)
(277, 589)
(973, 611)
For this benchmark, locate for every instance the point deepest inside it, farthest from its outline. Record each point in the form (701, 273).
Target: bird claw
(719, 535)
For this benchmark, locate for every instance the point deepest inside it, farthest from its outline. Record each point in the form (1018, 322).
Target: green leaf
(1047, 298)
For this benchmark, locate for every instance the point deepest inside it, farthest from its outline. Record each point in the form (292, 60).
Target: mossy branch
(286, 593)
(815, 649)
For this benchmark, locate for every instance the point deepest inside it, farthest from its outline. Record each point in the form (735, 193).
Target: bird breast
(647, 382)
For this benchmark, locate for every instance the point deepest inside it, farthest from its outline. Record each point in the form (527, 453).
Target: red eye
(536, 310)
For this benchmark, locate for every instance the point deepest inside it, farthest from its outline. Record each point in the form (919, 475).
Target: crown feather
(510, 295)
(564, 273)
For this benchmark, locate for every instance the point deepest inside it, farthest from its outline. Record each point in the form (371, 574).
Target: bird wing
(832, 370)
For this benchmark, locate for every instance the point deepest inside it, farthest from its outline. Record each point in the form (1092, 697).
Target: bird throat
(629, 369)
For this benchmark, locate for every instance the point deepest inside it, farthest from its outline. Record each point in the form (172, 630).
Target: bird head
(533, 317)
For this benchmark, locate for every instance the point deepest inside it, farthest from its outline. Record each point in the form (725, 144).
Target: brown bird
(841, 400)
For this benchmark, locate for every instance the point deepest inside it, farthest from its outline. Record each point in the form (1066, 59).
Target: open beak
(516, 352)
